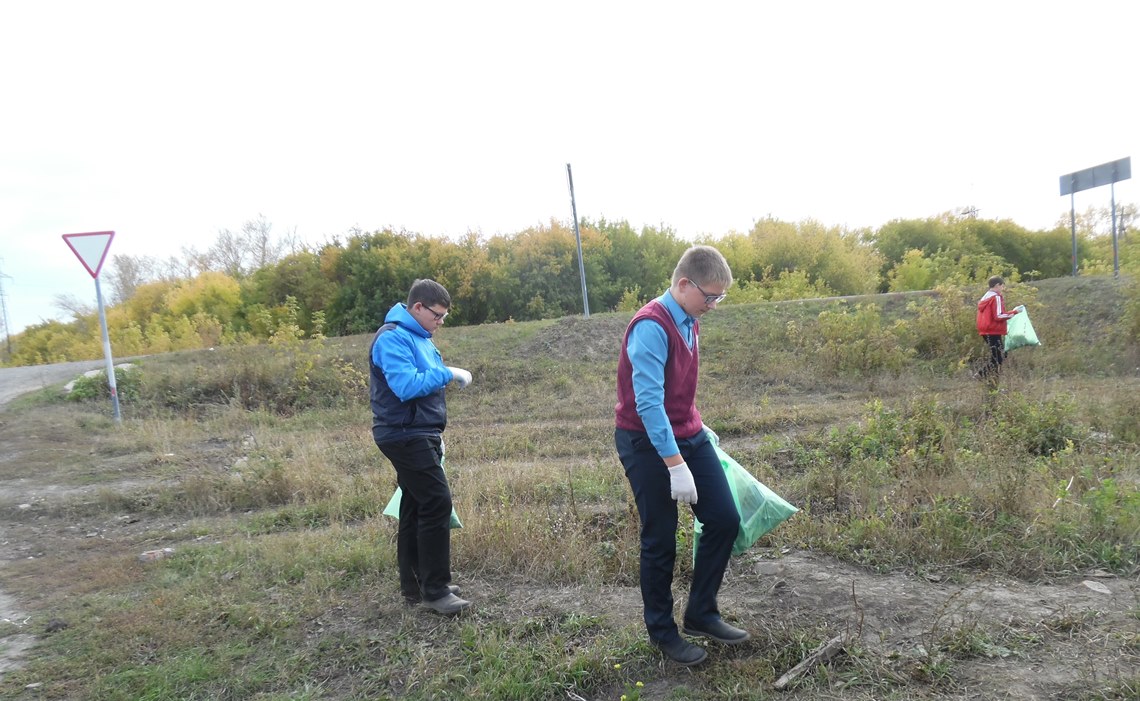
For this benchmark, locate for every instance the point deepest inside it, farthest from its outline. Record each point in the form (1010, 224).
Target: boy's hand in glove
(461, 376)
(681, 486)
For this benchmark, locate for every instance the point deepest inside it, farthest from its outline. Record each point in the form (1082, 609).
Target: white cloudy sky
(167, 122)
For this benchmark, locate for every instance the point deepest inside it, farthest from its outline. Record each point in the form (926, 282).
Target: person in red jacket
(992, 318)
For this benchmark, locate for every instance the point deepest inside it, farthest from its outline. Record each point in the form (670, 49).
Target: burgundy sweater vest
(680, 377)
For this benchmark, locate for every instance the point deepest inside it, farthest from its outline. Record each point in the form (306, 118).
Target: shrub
(284, 378)
(1131, 321)
(96, 387)
(1037, 427)
(943, 326)
(630, 300)
(853, 341)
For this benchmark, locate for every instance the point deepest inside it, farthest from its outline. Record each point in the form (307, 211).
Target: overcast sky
(167, 122)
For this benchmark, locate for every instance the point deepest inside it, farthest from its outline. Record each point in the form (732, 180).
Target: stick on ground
(821, 654)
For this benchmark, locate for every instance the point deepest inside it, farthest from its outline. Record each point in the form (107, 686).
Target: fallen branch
(822, 654)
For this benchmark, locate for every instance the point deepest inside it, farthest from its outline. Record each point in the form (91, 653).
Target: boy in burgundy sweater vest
(668, 457)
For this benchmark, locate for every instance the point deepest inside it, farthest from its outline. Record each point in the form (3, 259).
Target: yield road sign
(90, 248)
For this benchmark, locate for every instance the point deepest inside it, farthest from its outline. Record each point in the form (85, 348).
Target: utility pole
(4, 309)
(578, 236)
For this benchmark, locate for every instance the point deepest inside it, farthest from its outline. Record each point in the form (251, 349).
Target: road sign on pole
(91, 250)
(1104, 174)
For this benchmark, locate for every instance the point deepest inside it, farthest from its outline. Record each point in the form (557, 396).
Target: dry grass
(284, 565)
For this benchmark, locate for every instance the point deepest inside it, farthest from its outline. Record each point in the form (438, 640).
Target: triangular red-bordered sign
(91, 248)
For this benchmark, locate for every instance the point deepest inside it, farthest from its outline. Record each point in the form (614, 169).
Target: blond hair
(703, 265)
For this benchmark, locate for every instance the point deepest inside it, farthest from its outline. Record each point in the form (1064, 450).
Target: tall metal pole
(107, 352)
(578, 236)
(4, 309)
(1115, 251)
(1073, 223)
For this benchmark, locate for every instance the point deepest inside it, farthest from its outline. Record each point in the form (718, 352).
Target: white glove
(712, 435)
(681, 486)
(462, 377)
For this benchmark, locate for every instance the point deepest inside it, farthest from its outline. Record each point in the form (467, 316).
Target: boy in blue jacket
(409, 411)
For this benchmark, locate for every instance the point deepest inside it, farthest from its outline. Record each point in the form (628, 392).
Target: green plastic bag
(1019, 331)
(761, 509)
(393, 507)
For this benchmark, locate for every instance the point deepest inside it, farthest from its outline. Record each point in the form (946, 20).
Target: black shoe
(683, 652)
(718, 630)
(448, 605)
(413, 599)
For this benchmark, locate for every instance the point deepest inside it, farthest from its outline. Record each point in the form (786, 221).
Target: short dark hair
(996, 280)
(427, 293)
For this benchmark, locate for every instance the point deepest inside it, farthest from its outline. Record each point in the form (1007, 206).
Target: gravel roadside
(21, 380)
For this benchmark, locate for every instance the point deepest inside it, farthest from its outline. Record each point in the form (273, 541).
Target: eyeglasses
(710, 299)
(438, 315)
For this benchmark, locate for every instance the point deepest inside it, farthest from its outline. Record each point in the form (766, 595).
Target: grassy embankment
(257, 467)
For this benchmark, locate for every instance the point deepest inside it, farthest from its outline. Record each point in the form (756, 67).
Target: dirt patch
(20, 494)
(14, 647)
(579, 338)
(1013, 639)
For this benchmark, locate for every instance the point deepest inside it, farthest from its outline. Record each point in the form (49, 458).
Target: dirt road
(13, 383)
(21, 380)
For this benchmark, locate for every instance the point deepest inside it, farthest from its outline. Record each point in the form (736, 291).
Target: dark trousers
(649, 479)
(992, 365)
(423, 542)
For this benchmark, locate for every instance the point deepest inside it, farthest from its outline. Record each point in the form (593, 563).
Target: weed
(95, 387)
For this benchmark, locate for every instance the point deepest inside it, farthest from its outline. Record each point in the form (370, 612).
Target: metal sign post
(91, 249)
(1103, 174)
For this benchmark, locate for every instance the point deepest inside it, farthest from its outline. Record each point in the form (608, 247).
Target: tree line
(251, 286)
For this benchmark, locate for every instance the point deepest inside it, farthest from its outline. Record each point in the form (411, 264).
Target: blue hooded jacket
(407, 380)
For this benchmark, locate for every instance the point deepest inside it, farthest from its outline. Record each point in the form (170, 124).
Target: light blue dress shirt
(648, 350)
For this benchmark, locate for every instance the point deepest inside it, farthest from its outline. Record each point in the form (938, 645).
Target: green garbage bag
(761, 509)
(1019, 331)
(393, 507)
